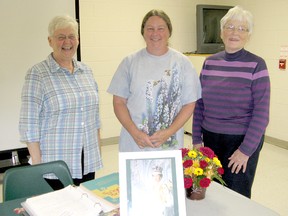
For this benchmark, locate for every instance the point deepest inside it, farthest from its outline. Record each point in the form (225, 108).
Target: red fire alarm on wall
(282, 64)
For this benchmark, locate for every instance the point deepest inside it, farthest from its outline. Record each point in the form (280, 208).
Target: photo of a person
(162, 193)
(151, 180)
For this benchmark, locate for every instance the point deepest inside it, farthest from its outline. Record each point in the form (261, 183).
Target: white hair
(238, 13)
(60, 22)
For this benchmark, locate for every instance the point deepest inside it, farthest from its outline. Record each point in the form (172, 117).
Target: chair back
(27, 181)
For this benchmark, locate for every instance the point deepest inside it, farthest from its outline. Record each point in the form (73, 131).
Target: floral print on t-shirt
(163, 98)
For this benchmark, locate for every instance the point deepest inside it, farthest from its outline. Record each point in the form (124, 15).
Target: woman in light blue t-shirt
(154, 90)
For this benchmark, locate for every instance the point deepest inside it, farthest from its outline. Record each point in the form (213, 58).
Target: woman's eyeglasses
(232, 28)
(62, 37)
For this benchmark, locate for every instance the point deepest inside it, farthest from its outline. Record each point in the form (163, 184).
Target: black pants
(56, 184)
(224, 146)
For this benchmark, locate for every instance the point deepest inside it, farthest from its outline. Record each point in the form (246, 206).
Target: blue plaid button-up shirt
(60, 110)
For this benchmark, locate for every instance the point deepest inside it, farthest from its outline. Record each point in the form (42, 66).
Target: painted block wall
(110, 30)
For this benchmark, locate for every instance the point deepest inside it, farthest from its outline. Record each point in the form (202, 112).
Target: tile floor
(271, 181)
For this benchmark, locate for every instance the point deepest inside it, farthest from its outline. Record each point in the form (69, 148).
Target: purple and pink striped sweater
(235, 98)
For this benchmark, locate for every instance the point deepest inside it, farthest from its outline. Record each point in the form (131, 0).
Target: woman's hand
(35, 152)
(198, 146)
(123, 115)
(238, 161)
(160, 137)
(142, 139)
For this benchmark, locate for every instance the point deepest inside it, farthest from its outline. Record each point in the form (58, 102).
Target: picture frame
(152, 183)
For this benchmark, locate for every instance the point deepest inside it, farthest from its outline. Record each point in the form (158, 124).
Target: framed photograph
(151, 183)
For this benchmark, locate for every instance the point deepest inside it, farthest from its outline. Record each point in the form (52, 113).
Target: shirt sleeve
(261, 104)
(120, 83)
(191, 83)
(197, 122)
(31, 106)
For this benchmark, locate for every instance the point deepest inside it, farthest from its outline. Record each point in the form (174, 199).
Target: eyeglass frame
(239, 29)
(62, 37)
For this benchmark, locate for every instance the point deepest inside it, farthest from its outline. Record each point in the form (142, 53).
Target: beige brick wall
(110, 30)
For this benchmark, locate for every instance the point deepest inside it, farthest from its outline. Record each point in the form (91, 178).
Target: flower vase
(195, 194)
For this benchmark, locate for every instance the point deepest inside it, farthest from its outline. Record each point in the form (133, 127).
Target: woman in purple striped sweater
(233, 113)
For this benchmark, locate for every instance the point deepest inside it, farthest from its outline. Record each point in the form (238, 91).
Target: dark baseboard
(276, 142)
(6, 160)
(110, 141)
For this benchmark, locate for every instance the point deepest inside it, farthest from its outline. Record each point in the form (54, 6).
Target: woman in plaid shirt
(59, 117)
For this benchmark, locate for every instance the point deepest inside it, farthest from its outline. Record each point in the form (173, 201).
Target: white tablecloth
(221, 201)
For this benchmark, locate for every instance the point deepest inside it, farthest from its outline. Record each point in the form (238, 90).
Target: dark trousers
(56, 184)
(224, 146)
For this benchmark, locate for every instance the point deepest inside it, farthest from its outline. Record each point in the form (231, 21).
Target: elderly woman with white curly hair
(233, 113)
(59, 117)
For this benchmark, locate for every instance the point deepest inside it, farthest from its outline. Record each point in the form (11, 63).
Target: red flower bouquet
(200, 168)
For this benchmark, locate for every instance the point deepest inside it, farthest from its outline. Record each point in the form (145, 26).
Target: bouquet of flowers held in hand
(200, 168)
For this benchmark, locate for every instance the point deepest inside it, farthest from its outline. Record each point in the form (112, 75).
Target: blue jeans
(224, 146)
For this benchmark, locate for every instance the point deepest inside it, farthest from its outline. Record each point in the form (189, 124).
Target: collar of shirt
(55, 67)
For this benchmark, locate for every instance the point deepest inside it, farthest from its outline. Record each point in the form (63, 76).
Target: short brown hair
(160, 14)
